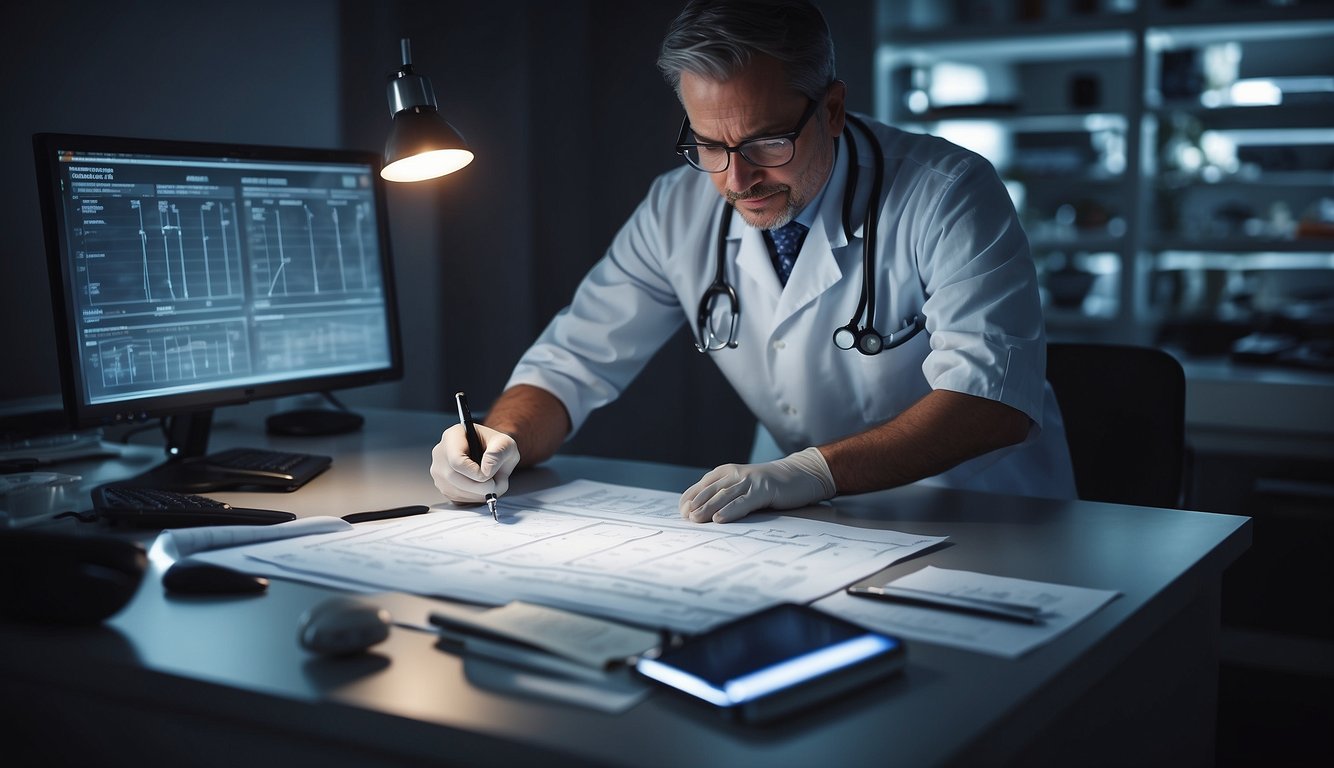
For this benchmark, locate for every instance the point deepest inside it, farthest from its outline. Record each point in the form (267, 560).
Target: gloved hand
(732, 491)
(464, 481)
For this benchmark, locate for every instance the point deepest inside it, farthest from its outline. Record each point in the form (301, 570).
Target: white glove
(732, 491)
(465, 481)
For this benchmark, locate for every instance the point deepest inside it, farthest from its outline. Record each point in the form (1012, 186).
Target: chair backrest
(1124, 409)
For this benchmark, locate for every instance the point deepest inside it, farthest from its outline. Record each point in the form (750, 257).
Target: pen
(1026, 614)
(475, 449)
(386, 514)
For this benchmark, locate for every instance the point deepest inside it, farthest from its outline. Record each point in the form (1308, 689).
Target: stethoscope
(864, 338)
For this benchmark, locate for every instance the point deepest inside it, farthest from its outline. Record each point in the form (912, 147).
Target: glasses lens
(705, 158)
(768, 153)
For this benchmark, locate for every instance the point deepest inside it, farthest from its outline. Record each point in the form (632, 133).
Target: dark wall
(561, 102)
(152, 68)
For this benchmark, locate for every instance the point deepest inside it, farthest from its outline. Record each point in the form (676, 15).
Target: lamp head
(421, 144)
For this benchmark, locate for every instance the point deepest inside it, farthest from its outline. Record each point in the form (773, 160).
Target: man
(964, 404)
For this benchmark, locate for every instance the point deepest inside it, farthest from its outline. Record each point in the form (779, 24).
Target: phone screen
(758, 655)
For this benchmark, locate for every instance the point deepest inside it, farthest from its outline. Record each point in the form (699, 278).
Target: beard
(807, 184)
(767, 220)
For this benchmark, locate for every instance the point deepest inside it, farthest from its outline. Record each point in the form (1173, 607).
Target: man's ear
(836, 102)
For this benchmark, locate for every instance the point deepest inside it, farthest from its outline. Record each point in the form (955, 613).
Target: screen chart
(195, 273)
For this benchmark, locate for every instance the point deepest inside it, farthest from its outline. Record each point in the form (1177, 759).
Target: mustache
(759, 190)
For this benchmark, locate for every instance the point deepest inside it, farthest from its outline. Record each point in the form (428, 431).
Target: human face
(758, 102)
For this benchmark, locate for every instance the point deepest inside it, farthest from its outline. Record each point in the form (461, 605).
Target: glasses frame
(683, 147)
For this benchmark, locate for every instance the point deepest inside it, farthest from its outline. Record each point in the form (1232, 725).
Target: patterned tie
(786, 241)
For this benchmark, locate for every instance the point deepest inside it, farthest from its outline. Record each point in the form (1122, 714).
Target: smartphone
(775, 662)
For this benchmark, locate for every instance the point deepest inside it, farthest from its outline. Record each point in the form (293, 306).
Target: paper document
(1061, 607)
(591, 642)
(614, 551)
(513, 670)
(57, 448)
(183, 542)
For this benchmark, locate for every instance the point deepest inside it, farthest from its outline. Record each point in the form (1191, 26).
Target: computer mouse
(63, 578)
(342, 626)
(195, 577)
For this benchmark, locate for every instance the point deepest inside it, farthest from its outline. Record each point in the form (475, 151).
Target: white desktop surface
(222, 680)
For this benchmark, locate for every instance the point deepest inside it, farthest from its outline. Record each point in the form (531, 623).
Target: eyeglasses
(765, 152)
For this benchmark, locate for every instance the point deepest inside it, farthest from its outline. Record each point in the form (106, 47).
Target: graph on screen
(196, 272)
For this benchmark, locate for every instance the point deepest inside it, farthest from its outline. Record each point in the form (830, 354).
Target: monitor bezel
(83, 414)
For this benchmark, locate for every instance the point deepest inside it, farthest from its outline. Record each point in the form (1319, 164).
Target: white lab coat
(949, 246)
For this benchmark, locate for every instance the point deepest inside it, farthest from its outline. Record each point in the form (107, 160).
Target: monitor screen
(186, 276)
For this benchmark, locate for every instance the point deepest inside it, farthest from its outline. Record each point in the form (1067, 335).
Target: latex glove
(732, 491)
(465, 481)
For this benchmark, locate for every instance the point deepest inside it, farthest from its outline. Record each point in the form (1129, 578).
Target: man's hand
(732, 491)
(465, 481)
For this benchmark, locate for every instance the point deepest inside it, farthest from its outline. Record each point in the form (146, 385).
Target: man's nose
(741, 175)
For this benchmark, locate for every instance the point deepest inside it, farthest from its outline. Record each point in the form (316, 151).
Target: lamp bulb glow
(427, 165)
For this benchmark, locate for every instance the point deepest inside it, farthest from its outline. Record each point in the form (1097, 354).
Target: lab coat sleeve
(623, 311)
(983, 311)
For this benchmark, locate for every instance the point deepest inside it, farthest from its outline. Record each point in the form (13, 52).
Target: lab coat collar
(815, 272)
(862, 194)
(817, 268)
(830, 216)
(752, 259)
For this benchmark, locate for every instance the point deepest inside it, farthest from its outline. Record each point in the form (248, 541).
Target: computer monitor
(187, 276)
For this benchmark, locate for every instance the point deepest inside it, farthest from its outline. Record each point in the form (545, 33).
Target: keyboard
(267, 467)
(154, 508)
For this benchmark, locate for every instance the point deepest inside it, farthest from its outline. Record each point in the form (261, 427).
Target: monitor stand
(188, 470)
(313, 422)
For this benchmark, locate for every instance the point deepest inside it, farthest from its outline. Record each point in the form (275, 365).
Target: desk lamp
(421, 144)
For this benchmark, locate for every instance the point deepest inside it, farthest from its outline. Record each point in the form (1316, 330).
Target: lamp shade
(421, 144)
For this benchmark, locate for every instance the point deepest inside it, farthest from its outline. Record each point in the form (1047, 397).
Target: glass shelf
(1202, 182)
(1243, 253)
(1280, 116)
(1016, 118)
(988, 44)
(1167, 29)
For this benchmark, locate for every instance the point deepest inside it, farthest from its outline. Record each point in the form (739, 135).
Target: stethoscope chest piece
(864, 340)
(868, 340)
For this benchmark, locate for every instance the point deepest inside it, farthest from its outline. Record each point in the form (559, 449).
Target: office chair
(1124, 409)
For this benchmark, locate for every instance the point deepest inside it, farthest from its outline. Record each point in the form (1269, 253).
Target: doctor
(902, 341)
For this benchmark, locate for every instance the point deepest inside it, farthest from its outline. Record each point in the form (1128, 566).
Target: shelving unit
(1157, 183)
(1165, 208)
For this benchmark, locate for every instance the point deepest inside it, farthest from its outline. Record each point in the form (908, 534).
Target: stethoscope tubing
(865, 339)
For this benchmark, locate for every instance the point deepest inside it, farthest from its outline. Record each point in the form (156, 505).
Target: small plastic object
(32, 497)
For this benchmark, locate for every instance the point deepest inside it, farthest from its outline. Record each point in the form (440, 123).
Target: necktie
(786, 241)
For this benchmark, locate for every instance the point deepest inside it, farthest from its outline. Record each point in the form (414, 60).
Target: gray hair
(716, 38)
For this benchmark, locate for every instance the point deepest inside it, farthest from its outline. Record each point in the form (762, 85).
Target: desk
(221, 681)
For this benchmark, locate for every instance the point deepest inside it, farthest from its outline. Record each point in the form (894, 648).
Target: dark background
(570, 122)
